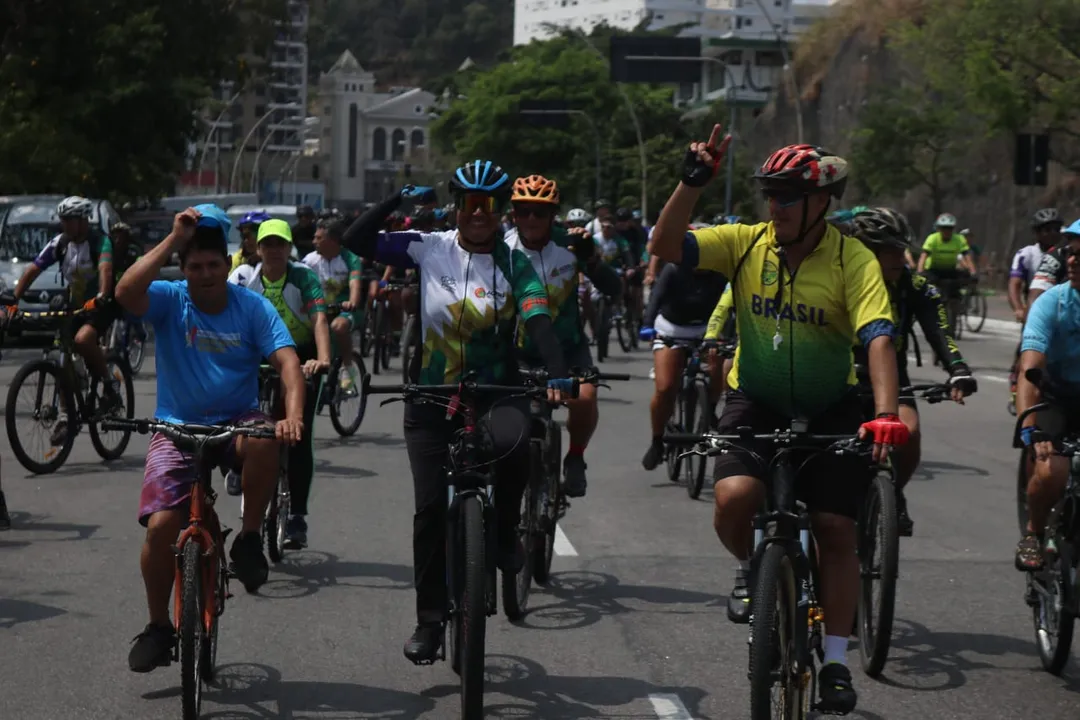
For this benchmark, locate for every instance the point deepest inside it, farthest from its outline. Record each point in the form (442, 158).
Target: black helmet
(623, 215)
(882, 226)
(483, 177)
(1046, 216)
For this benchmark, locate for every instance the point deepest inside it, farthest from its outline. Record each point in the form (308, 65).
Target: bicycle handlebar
(790, 440)
(583, 375)
(211, 435)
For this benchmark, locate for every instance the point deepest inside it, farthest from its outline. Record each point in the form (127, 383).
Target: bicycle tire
(277, 512)
(633, 322)
(46, 367)
(115, 363)
(347, 429)
(602, 330)
(136, 357)
(192, 631)
(1055, 655)
(208, 664)
(551, 504)
(955, 318)
(365, 330)
(622, 332)
(774, 618)
(878, 526)
(473, 608)
(377, 339)
(407, 346)
(1021, 491)
(678, 425)
(696, 465)
(515, 588)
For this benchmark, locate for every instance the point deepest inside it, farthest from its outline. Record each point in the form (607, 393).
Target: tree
(102, 98)
(909, 137)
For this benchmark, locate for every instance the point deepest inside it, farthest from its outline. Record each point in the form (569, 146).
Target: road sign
(667, 71)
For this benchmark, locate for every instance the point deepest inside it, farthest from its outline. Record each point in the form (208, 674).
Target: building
(369, 141)
(263, 122)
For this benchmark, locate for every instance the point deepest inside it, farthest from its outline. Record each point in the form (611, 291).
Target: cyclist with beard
(804, 294)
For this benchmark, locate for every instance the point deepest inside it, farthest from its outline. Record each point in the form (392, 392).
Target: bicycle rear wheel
(679, 424)
(277, 512)
(192, 630)
(347, 408)
(878, 531)
(111, 444)
(696, 464)
(975, 312)
(773, 658)
(622, 330)
(46, 406)
(473, 616)
(1053, 615)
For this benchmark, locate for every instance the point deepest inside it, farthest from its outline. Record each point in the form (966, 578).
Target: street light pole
(789, 72)
(217, 146)
(243, 145)
(255, 163)
(732, 117)
(596, 136)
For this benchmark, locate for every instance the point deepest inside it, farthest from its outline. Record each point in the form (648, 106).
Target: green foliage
(910, 136)
(410, 41)
(101, 98)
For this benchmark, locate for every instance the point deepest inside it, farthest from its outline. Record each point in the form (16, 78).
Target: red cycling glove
(887, 430)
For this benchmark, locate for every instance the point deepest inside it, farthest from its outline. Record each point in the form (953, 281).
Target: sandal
(1029, 554)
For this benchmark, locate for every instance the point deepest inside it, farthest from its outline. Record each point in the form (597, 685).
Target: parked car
(27, 224)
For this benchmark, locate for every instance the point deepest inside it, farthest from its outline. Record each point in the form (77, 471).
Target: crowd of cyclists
(818, 305)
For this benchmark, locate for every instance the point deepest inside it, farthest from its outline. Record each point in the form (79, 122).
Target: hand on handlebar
(347, 306)
(887, 431)
(647, 334)
(561, 389)
(289, 431)
(961, 382)
(311, 367)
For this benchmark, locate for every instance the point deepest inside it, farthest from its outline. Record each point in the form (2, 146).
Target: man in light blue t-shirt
(1051, 343)
(210, 340)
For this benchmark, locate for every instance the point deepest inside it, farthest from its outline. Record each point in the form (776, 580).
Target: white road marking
(992, 378)
(669, 707)
(562, 544)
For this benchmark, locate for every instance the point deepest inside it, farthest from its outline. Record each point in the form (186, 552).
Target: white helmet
(74, 206)
(945, 220)
(578, 215)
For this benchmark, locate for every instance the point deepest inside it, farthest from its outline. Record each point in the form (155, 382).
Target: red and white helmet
(807, 167)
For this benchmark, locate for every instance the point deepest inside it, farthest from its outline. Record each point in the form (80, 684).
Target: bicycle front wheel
(774, 664)
(277, 512)
(696, 465)
(1052, 614)
(347, 407)
(46, 399)
(515, 588)
(192, 630)
(111, 444)
(879, 561)
(473, 618)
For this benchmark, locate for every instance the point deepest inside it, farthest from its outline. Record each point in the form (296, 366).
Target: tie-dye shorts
(170, 473)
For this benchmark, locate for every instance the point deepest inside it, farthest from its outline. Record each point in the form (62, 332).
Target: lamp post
(217, 146)
(789, 72)
(732, 117)
(592, 125)
(243, 145)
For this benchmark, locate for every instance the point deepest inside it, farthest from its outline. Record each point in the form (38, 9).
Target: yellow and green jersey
(944, 254)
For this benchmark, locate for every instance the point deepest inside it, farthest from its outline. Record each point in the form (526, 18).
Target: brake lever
(391, 400)
(603, 385)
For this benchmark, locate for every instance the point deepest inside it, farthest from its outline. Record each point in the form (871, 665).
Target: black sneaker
(574, 482)
(248, 562)
(738, 602)
(423, 645)
(653, 456)
(296, 533)
(5, 519)
(904, 524)
(837, 696)
(153, 648)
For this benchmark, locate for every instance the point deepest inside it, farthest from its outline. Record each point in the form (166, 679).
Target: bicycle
(544, 501)
(975, 307)
(471, 523)
(202, 575)
(74, 395)
(345, 422)
(410, 341)
(127, 339)
(378, 329)
(1053, 593)
(786, 619)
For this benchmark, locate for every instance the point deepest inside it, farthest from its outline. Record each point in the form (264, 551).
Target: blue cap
(1073, 229)
(214, 217)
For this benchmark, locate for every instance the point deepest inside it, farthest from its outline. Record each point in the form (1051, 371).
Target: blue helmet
(480, 176)
(1073, 229)
(257, 217)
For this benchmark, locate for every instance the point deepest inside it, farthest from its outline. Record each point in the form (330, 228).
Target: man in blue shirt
(212, 337)
(1051, 343)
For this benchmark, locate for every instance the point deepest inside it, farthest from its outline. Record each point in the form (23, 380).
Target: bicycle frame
(202, 513)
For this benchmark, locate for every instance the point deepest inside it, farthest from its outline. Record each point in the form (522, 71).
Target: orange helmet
(535, 188)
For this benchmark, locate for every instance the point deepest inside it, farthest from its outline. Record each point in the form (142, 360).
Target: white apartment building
(367, 138)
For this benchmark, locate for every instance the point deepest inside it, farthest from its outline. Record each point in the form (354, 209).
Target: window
(769, 59)
(378, 144)
(353, 122)
(416, 140)
(326, 111)
(397, 145)
(314, 172)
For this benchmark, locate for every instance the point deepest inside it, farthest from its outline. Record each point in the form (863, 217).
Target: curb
(1008, 328)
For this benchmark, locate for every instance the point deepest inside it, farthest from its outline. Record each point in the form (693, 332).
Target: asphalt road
(633, 625)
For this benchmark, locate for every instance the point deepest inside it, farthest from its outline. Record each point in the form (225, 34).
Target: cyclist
(615, 251)
(210, 337)
(721, 328)
(637, 241)
(86, 265)
(303, 232)
(1051, 343)
(535, 201)
(679, 308)
(340, 272)
(803, 294)
(603, 210)
(1052, 268)
(248, 254)
(888, 234)
(945, 253)
(474, 291)
(294, 290)
(578, 218)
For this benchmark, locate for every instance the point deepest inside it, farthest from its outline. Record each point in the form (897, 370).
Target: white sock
(836, 649)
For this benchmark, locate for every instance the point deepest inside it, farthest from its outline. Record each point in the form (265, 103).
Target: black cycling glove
(960, 376)
(583, 246)
(695, 172)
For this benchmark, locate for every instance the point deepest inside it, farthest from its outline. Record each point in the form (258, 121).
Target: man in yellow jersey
(721, 329)
(803, 295)
(945, 251)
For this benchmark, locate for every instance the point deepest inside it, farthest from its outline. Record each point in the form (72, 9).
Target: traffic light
(1032, 159)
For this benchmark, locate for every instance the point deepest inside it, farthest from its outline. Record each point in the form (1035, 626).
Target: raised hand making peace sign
(702, 159)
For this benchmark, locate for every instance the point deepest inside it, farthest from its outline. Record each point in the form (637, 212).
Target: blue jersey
(1053, 329)
(208, 365)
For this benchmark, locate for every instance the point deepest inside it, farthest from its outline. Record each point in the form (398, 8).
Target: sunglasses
(536, 211)
(783, 198)
(472, 202)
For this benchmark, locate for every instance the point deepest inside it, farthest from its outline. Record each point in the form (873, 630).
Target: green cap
(275, 228)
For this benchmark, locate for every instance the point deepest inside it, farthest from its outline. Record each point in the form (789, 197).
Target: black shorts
(827, 483)
(103, 316)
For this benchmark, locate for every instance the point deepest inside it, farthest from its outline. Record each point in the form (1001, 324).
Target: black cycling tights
(427, 437)
(302, 454)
